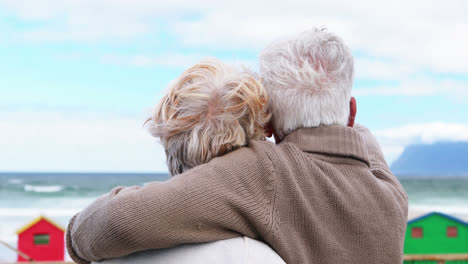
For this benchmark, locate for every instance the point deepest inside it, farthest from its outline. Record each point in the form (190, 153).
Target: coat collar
(332, 140)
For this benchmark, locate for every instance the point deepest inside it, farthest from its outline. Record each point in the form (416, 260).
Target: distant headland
(441, 159)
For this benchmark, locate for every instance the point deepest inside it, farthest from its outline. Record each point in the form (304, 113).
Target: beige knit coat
(323, 195)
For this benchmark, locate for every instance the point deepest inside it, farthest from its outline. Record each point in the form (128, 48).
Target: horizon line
(81, 172)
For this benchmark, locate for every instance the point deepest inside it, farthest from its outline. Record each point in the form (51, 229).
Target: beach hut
(42, 240)
(436, 234)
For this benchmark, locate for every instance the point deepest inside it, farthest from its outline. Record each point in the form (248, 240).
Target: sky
(79, 77)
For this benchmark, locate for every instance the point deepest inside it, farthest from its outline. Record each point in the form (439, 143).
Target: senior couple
(322, 194)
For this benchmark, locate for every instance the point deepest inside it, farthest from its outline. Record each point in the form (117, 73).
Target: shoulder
(257, 153)
(249, 165)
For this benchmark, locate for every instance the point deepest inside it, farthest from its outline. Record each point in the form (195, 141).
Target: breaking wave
(15, 181)
(43, 189)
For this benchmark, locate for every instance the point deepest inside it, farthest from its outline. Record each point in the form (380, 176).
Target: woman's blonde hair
(209, 110)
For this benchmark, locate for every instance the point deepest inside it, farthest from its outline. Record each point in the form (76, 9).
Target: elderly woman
(211, 109)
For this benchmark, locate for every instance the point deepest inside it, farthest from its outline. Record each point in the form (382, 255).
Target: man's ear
(352, 112)
(268, 129)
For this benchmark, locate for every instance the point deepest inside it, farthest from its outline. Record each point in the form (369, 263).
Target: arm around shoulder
(204, 204)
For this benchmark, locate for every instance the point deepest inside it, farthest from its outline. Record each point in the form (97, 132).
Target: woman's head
(209, 110)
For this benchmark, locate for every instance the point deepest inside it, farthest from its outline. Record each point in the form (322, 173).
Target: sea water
(446, 195)
(58, 196)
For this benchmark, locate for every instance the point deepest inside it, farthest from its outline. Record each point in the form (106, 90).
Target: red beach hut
(42, 240)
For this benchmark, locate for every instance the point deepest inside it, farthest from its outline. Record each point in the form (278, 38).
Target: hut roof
(35, 221)
(440, 214)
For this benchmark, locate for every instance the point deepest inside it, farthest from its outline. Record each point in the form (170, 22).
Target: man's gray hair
(209, 110)
(308, 78)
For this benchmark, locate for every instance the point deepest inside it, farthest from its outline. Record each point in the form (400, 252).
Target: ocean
(25, 196)
(58, 196)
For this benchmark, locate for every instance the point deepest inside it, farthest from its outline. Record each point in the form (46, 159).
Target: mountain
(438, 159)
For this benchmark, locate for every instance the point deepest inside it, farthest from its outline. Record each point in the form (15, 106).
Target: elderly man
(323, 194)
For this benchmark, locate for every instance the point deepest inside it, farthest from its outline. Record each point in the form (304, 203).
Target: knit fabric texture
(323, 195)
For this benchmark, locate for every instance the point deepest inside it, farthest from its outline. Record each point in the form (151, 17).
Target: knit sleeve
(228, 197)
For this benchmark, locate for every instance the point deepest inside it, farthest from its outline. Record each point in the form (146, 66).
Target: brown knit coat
(323, 195)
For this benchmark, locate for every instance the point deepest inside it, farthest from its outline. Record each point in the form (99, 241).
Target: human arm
(211, 202)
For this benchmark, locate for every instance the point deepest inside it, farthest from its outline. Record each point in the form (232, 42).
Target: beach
(59, 196)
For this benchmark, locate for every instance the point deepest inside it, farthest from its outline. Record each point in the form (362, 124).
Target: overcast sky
(79, 77)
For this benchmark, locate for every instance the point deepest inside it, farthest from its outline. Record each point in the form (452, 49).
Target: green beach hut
(434, 234)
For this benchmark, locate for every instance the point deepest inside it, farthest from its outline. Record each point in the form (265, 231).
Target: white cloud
(82, 20)
(383, 68)
(407, 42)
(427, 133)
(89, 28)
(174, 60)
(421, 34)
(457, 90)
(51, 141)
(394, 140)
(168, 60)
(233, 31)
